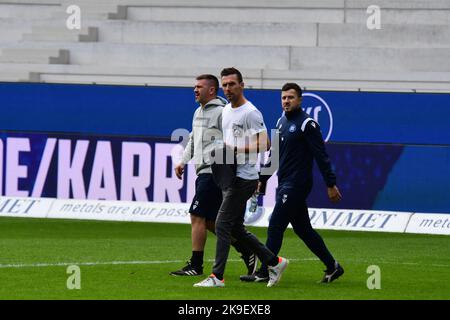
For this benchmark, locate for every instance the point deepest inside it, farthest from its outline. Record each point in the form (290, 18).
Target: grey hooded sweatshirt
(206, 128)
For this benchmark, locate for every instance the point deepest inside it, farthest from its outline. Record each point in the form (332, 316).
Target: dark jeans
(230, 223)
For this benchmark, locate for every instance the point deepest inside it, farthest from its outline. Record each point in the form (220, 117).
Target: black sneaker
(258, 276)
(331, 275)
(188, 270)
(251, 262)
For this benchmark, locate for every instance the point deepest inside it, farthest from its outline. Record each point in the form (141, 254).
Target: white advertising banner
(359, 220)
(138, 211)
(340, 219)
(430, 223)
(25, 207)
(120, 211)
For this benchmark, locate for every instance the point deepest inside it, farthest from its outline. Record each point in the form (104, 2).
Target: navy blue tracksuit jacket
(300, 142)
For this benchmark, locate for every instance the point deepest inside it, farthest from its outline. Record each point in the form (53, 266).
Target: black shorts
(207, 199)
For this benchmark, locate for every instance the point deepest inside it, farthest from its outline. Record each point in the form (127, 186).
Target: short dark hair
(211, 78)
(231, 71)
(291, 85)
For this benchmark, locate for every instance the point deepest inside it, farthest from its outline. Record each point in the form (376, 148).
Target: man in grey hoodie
(206, 129)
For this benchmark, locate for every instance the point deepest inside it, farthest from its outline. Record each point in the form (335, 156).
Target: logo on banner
(318, 109)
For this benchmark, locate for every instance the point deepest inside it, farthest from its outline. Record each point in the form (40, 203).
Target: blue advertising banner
(388, 177)
(363, 117)
(79, 166)
(391, 151)
(89, 167)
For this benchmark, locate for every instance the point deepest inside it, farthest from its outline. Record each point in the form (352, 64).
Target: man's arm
(267, 170)
(257, 143)
(188, 153)
(272, 164)
(316, 144)
(257, 139)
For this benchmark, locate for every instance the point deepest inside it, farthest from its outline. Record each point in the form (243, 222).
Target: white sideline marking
(98, 263)
(380, 262)
(62, 264)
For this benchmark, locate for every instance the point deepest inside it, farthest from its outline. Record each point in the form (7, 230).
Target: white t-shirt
(240, 125)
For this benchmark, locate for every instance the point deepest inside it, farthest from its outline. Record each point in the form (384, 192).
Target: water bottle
(253, 202)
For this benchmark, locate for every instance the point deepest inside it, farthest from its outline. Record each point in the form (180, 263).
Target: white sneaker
(275, 272)
(211, 281)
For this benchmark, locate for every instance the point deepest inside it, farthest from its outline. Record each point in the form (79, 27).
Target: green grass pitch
(121, 260)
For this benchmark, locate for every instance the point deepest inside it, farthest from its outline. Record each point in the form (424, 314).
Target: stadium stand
(323, 44)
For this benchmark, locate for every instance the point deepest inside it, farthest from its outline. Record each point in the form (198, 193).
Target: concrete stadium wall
(328, 38)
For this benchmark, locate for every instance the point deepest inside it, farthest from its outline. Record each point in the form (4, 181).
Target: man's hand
(258, 187)
(261, 189)
(179, 170)
(334, 194)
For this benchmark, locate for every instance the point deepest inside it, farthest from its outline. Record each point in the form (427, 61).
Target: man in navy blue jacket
(300, 142)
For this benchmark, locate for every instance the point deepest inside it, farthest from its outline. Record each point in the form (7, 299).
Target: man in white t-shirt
(245, 133)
